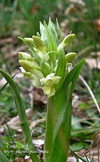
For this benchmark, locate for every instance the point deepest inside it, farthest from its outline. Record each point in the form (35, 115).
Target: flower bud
(29, 42)
(27, 65)
(24, 56)
(70, 57)
(67, 40)
(39, 44)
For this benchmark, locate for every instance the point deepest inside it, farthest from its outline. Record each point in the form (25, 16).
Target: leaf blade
(3, 158)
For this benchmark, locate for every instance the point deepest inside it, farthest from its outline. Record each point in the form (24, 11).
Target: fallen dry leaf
(19, 160)
(39, 97)
(97, 24)
(94, 62)
(14, 123)
(38, 143)
(36, 122)
(34, 9)
(27, 159)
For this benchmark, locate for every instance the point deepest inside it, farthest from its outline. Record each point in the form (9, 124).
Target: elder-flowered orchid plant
(47, 66)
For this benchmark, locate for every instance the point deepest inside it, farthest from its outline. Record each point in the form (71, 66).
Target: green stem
(49, 130)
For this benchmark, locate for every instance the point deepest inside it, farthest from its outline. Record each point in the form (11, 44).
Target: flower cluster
(46, 62)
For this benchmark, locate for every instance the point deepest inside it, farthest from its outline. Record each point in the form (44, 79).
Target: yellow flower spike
(70, 57)
(67, 40)
(48, 84)
(25, 56)
(39, 44)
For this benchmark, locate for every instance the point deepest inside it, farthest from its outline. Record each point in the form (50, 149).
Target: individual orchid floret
(28, 41)
(35, 80)
(38, 43)
(32, 71)
(25, 56)
(48, 84)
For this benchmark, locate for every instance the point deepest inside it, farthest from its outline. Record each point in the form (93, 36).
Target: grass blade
(22, 116)
(3, 158)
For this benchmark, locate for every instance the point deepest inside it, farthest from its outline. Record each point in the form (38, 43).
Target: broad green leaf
(3, 158)
(60, 98)
(78, 146)
(60, 107)
(62, 135)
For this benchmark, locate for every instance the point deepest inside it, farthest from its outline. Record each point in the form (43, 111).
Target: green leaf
(59, 31)
(43, 35)
(62, 132)
(78, 146)
(61, 66)
(53, 35)
(60, 98)
(73, 75)
(5, 84)
(51, 41)
(62, 106)
(49, 36)
(53, 30)
(3, 158)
